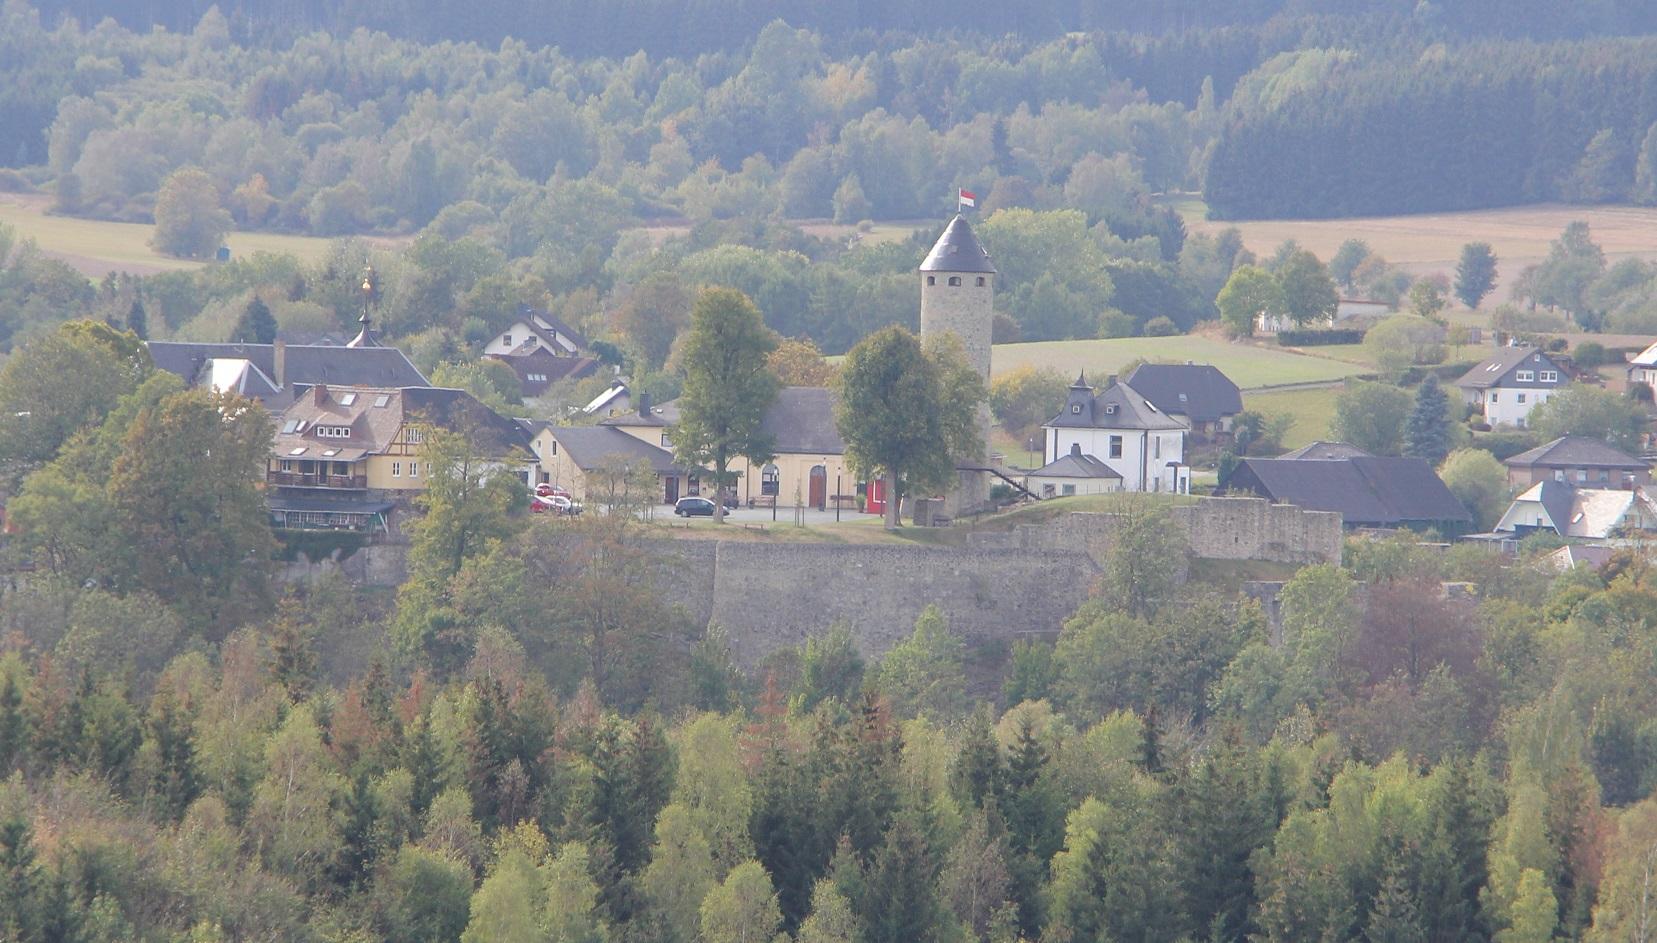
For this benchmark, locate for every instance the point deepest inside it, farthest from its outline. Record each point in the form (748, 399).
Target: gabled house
(1073, 473)
(1579, 513)
(277, 374)
(1197, 394)
(616, 400)
(1126, 431)
(541, 350)
(1580, 460)
(572, 456)
(343, 456)
(809, 465)
(1321, 451)
(1507, 386)
(1366, 490)
(1642, 367)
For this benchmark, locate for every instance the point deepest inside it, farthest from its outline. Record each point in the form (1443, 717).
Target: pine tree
(13, 732)
(173, 733)
(901, 903)
(19, 875)
(256, 325)
(978, 774)
(1427, 434)
(293, 660)
(1392, 914)
(138, 321)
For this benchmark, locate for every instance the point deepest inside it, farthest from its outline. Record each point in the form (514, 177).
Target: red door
(819, 487)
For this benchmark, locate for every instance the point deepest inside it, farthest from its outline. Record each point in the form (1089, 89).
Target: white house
(1073, 473)
(1642, 367)
(1507, 386)
(1581, 513)
(533, 330)
(1126, 432)
(1345, 310)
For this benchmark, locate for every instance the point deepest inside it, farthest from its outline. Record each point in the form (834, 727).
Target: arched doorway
(819, 487)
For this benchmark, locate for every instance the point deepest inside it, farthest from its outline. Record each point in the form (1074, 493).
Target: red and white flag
(968, 198)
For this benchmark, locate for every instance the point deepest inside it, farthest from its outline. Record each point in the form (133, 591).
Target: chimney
(279, 362)
(644, 404)
(319, 394)
(1076, 448)
(1110, 381)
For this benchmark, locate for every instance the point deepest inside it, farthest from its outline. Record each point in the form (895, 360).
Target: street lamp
(837, 472)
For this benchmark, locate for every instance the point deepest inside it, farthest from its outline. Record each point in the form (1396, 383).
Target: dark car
(694, 506)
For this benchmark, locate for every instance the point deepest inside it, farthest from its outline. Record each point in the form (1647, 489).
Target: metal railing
(315, 480)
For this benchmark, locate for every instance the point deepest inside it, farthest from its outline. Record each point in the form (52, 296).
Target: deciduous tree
(728, 387)
(190, 219)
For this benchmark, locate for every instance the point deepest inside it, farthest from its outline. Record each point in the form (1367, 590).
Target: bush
(1505, 445)
(1590, 354)
(1161, 326)
(1320, 338)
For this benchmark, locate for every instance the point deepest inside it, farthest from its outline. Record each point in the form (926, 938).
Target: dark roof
(1368, 491)
(1576, 451)
(1195, 390)
(1493, 370)
(1557, 498)
(958, 250)
(801, 420)
(1117, 406)
(458, 409)
(543, 324)
(1075, 465)
(305, 365)
(1321, 451)
(542, 362)
(374, 415)
(593, 446)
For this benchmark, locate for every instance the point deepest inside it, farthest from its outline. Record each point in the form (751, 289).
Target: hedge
(1345, 335)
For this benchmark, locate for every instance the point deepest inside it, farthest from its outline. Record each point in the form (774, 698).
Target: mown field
(1312, 411)
(96, 247)
(1248, 365)
(1431, 242)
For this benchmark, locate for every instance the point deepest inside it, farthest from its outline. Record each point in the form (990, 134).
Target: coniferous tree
(1475, 273)
(138, 321)
(256, 325)
(1427, 434)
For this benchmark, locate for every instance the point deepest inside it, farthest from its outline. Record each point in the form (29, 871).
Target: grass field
(96, 247)
(1312, 411)
(1431, 242)
(1247, 365)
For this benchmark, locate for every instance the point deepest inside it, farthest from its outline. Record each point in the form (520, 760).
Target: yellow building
(343, 456)
(809, 468)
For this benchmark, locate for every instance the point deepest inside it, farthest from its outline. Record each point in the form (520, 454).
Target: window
(381, 400)
(1581, 474)
(413, 436)
(1110, 409)
(533, 340)
(1069, 489)
(414, 469)
(1076, 407)
(981, 281)
(289, 427)
(348, 399)
(396, 469)
(1521, 399)
(932, 279)
(1525, 376)
(1115, 446)
(665, 443)
(1604, 475)
(1493, 397)
(1156, 447)
(1183, 398)
(1550, 376)
(330, 453)
(285, 465)
(298, 451)
(506, 339)
(955, 281)
(552, 447)
(770, 480)
(334, 432)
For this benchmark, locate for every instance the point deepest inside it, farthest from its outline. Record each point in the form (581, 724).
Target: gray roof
(594, 446)
(958, 250)
(1367, 491)
(1117, 406)
(1075, 465)
(1321, 451)
(1493, 370)
(539, 321)
(1576, 451)
(801, 420)
(305, 365)
(1195, 390)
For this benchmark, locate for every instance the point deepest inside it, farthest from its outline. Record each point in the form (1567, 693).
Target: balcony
(281, 479)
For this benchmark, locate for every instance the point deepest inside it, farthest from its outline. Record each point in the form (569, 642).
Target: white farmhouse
(1122, 429)
(1507, 386)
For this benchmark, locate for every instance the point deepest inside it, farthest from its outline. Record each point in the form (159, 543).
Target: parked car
(694, 506)
(545, 490)
(554, 504)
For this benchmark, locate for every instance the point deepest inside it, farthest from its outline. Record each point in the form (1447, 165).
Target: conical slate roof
(958, 250)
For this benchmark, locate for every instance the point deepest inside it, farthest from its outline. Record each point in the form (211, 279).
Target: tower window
(980, 281)
(932, 279)
(955, 281)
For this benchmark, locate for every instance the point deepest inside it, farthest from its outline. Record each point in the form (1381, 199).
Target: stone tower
(957, 292)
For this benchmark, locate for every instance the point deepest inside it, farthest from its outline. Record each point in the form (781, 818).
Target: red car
(553, 504)
(544, 490)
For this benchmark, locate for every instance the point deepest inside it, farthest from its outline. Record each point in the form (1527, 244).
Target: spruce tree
(256, 325)
(1427, 434)
(138, 321)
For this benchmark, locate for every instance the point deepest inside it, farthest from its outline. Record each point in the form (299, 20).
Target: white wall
(519, 331)
(1143, 464)
(1501, 407)
(1055, 487)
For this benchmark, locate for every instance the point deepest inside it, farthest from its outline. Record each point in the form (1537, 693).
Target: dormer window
(1550, 376)
(1076, 407)
(349, 399)
(1110, 409)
